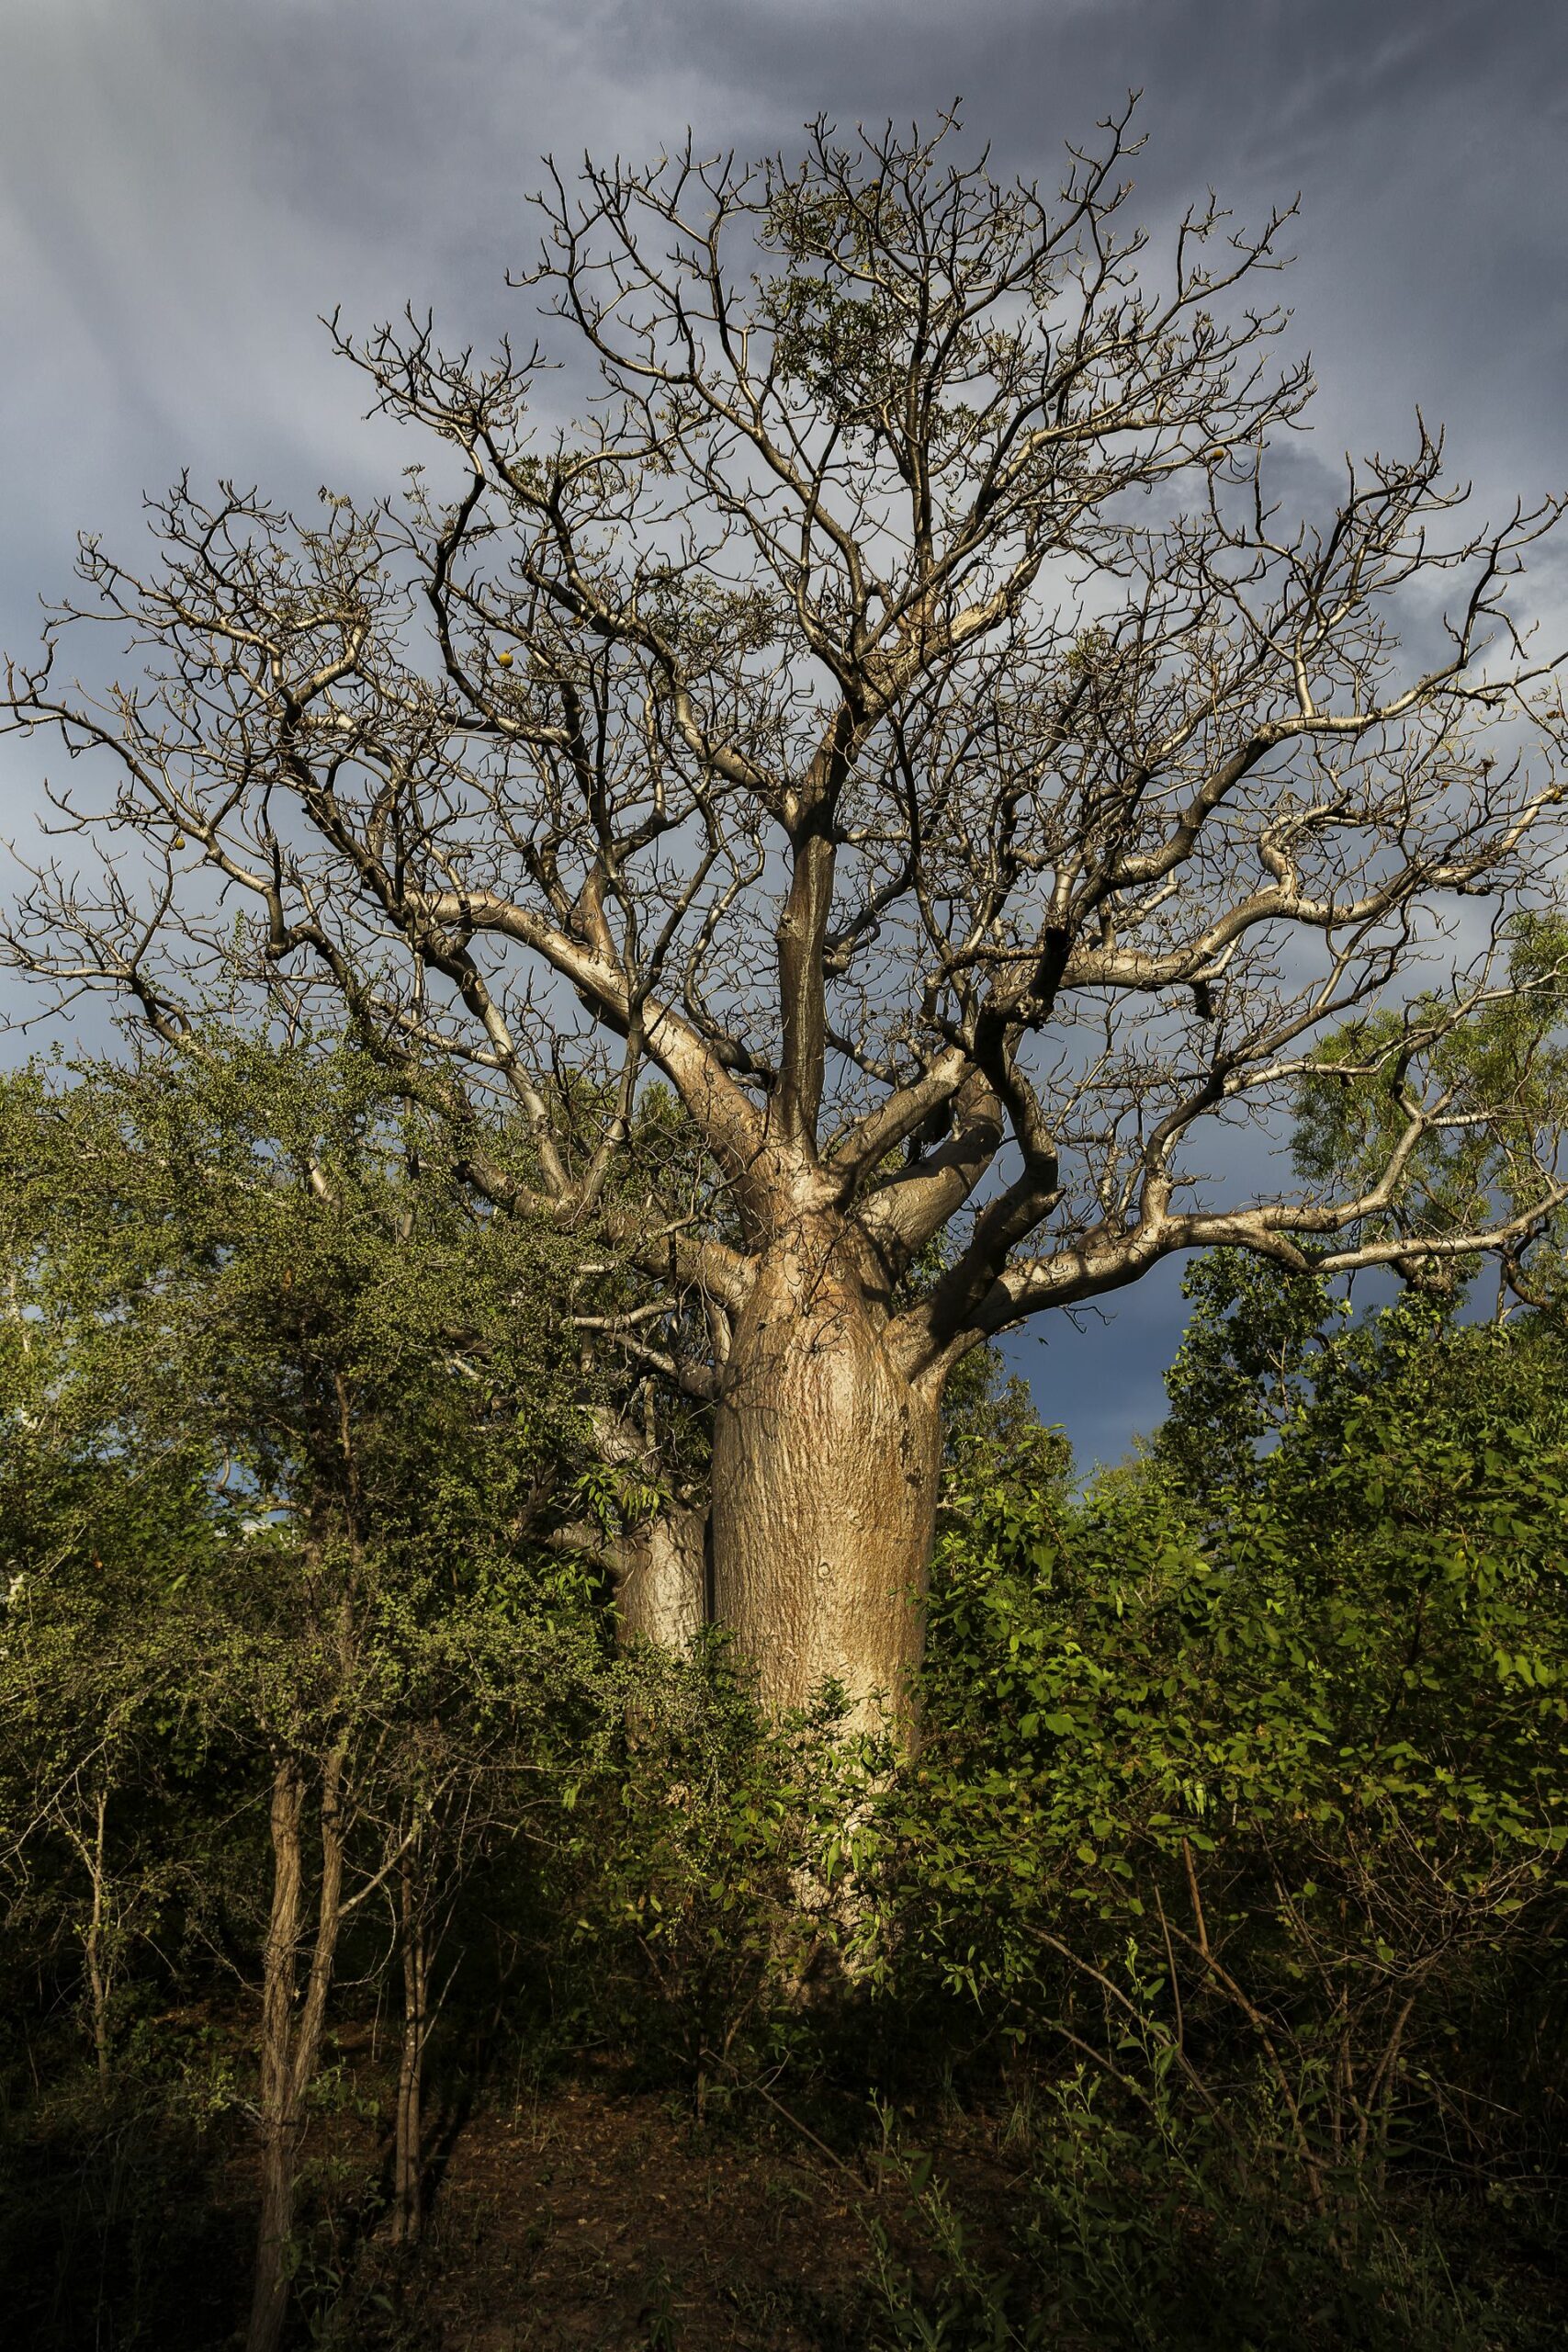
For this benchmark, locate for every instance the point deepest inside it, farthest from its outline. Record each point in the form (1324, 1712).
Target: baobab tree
(900, 719)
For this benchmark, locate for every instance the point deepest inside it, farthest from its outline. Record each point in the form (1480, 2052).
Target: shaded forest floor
(592, 2217)
(589, 2214)
(586, 2216)
(596, 2219)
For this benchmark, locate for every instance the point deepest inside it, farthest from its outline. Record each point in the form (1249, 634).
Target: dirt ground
(594, 2220)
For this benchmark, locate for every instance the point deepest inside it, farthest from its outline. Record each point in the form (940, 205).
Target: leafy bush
(1248, 1810)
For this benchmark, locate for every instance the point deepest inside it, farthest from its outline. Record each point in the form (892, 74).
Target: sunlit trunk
(824, 1485)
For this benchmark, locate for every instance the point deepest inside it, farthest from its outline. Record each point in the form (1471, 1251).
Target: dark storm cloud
(185, 184)
(1426, 139)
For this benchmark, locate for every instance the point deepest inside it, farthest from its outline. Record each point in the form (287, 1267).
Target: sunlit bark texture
(824, 1492)
(900, 719)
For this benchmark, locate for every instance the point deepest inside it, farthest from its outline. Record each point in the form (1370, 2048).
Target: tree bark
(825, 1469)
(270, 2294)
(659, 1568)
(661, 1572)
(408, 2153)
(290, 2044)
(96, 1939)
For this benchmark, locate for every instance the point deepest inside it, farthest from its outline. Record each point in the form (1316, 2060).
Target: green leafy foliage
(1252, 1802)
(1228, 1874)
(281, 1638)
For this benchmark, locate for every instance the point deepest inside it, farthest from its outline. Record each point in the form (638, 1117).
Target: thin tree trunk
(280, 1962)
(290, 2044)
(98, 1961)
(824, 1485)
(91, 1849)
(408, 2154)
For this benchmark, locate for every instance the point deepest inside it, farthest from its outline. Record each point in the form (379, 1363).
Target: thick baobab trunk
(824, 1485)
